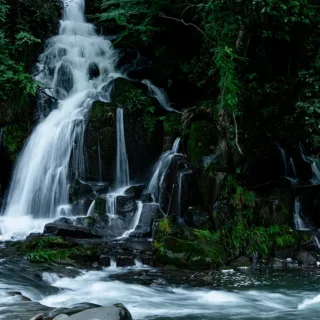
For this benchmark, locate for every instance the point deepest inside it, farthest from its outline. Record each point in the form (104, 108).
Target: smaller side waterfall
(315, 167)
(290, 172)
(99, 160)
(135, 220)
(91, 209)
(284, 159)
(122, 170)
(159, 94)
(160, 170)
(299, 222)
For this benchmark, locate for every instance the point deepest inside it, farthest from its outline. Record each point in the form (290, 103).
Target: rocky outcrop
(196, 217)
(115, 312)
(143, 132)
(149, 214)
(72, 231)
(86, 311)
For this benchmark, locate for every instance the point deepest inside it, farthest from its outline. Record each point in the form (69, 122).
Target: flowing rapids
(232, 295)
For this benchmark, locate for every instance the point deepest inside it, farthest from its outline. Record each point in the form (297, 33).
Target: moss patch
(204, 136)
(185, 247)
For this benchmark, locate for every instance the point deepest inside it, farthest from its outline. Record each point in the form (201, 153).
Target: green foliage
(49, 255)
(241, 197)
(137, 102)
(13, 138)
(239, 237)
(49, 249)
(23, 26)
(171, 124)
(165, 227)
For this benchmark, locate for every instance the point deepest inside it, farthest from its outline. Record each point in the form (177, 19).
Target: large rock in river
(115, 312)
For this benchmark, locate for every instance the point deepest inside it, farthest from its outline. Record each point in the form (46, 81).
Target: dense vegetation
(249, 70)
(253, 64)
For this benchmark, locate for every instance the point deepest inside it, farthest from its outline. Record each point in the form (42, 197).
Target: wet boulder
(196, 217)
(93, 70)
(146, 198)
(173, 183)
(80, 190)
(149, 214)
(65, 81)
(306, 258)
(115, 312)
(64, 220)
(125, 205)
(72, 231)
(135, 191)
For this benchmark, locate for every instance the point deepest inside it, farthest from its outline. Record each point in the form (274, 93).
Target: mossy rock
(277, 209)
(143, 132)
(203, 139)
(190, 254)
(185, 247)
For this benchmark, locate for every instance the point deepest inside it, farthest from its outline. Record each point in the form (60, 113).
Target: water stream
(122, 171)
(244, 294)
(160, 170)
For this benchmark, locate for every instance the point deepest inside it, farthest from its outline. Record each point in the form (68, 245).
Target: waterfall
(122, 172)
(160, 170)
(289, 167)
(91, 209)
(299, 222)
(99, 160)
(314, 167)
(180, 180)
(284, 159)
(159, 94)
(135, 220)
(54, 152)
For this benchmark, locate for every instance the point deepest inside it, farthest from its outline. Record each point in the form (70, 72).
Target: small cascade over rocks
(315, 166)
(290, 172)
(159, 94)
(300, 222)
(160, 170)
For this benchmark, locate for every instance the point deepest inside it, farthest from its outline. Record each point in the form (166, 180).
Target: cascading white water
(160, 170)
(315, 167)
(159, 94)
(99, 161)
(122, 171)
(91, 209)
(284, 159)
(289, 167)
(297, 215)
(135, 220)
(40, 183)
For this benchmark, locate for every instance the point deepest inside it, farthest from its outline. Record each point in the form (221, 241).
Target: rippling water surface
(150, 294)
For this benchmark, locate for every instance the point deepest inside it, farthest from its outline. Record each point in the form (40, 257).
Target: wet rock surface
(149, 214)
(116, 312)
(72, 231)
